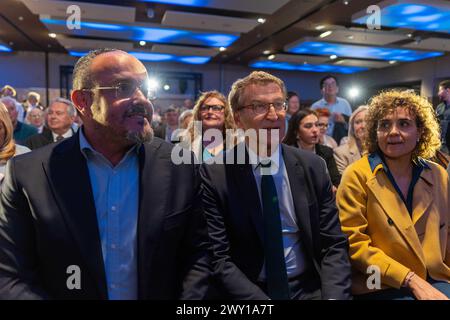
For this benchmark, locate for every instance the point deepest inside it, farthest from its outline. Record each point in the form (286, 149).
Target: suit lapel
(68, 177)
(300, 195)
(388, 199)
(152, 203)
(423, 195)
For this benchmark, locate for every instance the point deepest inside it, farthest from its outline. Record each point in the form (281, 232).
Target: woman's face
(397, 133)
(308, 130)
(212, 114)
(323, 125)
(293, 105)
(359, 125)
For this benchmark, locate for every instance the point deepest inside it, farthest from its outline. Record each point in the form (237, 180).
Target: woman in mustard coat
(394, 206)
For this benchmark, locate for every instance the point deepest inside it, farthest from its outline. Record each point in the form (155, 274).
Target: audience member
(8, 148)
(339, 107)
(273, 222)
(8, 91)
(166, 129)
(351, 151)
(22, 131)
(104, 214)
(324, 120)
(303, 133)
(36, 118)
(185, 119)
(60, 117)
(443, 114)
(394, 205)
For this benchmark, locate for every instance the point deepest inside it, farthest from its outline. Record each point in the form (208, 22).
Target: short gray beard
(140, 137)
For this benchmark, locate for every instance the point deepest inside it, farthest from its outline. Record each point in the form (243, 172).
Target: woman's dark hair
(291, 136)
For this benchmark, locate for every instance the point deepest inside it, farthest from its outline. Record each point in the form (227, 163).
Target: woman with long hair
(352, 150)
(214, 114)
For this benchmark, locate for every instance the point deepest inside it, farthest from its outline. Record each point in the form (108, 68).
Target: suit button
(390, 222)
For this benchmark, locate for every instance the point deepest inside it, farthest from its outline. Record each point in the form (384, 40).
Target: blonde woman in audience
(8, 148)
(324, 139)
(351, 151)
(213, 112)
(394, 205)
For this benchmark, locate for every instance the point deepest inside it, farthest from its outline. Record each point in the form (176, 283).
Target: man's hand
(422, 290)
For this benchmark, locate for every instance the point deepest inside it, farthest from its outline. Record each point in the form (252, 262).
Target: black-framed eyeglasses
(127, 89)
(214, 108)
(263, 108)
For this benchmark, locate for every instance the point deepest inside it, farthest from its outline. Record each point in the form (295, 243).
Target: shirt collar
(275, 159)
(376, 162)
(67, 134)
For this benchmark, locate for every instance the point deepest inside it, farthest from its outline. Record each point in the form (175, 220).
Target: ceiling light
(266, 52)
(142, 43)
(325, 34)
(153, 84)
(271, 57)
(354, 92)
(392, 62)
(166, 87)
(346, 2)
(320, 27)
(20, 18)
(261, 20)
(221, 49)
(52, 35)
(350, 37)
(333, 57)
(409, 35)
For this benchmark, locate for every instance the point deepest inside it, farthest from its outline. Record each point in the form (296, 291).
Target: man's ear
(82, 101)
(237, 119)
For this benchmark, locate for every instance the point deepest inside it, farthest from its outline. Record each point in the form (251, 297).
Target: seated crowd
(320, 203)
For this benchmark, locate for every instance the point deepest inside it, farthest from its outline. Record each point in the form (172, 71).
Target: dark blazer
(39, 140)
(233, 210)
(326, 153)
(160, 131)
(48, 222)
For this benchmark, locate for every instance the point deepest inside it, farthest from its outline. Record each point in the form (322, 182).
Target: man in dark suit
(272, 218)
(168, 127)
(60, 117)
(104, 214)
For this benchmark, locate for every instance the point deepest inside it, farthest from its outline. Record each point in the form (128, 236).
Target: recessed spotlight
(142, 43)
(261, 20)
(392, 62)
(20, 18)
(305, 62)
(333, 57)
(354, 92)
(271, 57)
(266, 52)
(350, 37)
(320, 27)
(166, 87)
(409, 35)
(325, 34)
(221, 49)
(346, 2)
(52, 35)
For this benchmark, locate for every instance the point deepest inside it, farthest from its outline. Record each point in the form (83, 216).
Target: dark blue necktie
(277, 282)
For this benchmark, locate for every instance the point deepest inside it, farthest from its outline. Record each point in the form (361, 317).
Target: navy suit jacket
(48, 222)
(234, 215)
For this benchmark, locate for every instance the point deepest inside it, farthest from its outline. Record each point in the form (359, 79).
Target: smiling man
(272, 220)
(103, 214)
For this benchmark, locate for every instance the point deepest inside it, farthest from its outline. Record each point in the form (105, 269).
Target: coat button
(390, 222)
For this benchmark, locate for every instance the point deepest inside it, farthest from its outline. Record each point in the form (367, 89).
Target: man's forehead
(117, 64)
(258, 89)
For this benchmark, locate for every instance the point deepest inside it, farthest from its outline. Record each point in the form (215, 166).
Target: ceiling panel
(146, 32)
(305, 67)
(184, 50)
(430, 44)
(362, 63)
(358, 36)
(429, 15)
(89, 44)
(208, 22)
(257, 6)
(89, 11)
(310, 46)
(296, 58)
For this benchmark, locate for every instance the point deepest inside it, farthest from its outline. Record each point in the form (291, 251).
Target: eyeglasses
(386, 126)
(323, 125)
(263, 108)
(127, 89)
(214, 108)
